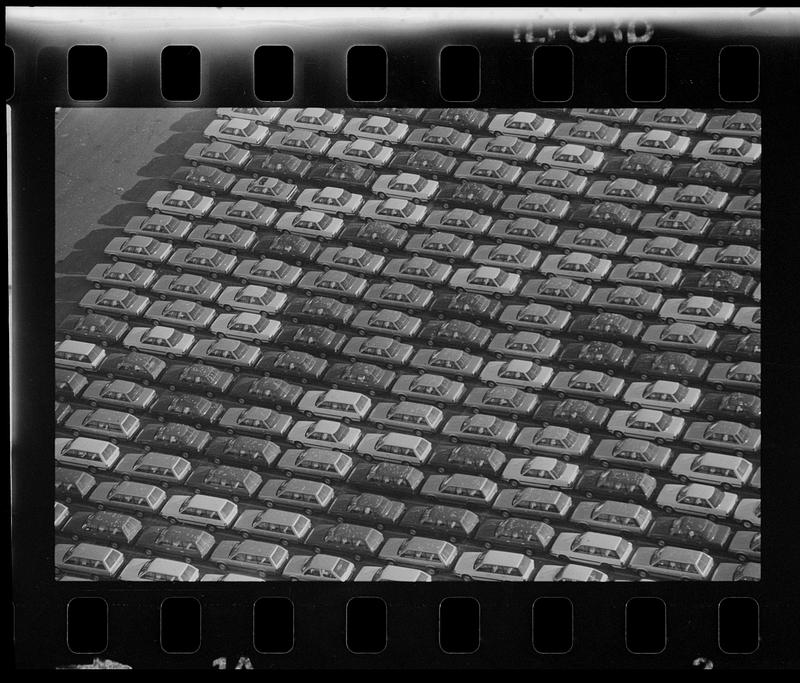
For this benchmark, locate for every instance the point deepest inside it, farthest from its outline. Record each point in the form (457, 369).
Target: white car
(158, 569)
(518, 372)
(656, 141)
(252, 298)
(161, 340)
(405, 186)
(310, 223)
(211, 512)
(702, 310)
(379, 128)
(238, 131)
(576, 265)
(324, 434)
(254, 328)
(486, 280)
(391, 573)
(368, 153)
(494, 565)
(335, 403)
(541, 471)
(729, 150)
(592, 547)
(523, 124)
(333, 200)
(716, 469)
(261, 115)
(570, 573)
(578, 158)
(697, 499)
(400, 212)
(180, 203)
(647, 423)
(662, 395)
(319, 120)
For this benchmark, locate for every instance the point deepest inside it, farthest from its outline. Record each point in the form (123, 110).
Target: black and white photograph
(407, 344)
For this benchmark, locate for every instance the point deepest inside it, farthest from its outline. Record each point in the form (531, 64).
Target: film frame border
(506, 616)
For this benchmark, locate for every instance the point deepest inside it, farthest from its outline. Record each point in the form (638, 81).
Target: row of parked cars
(342, 276)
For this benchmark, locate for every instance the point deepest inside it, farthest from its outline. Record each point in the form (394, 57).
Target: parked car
(639, 454)
(608, 355)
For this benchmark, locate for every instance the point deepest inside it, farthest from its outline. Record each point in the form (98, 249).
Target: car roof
(658, 134)
(182, 195)
(72, 346)
(599, 540)
(226, 344)
(573, 149)
(362, 144)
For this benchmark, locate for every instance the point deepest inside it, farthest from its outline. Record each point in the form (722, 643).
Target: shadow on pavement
(179, 143)
(88, 252)
(144, 189)
(194, 121)
(122, 213)
(162, 167)
(71, 287)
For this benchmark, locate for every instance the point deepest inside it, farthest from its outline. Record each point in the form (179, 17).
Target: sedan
(149, 251)
(535, 205)
(465, 221)
(512, 257)
(537, 317)
(160, 226)
(205, 260)
(324, 434)
(333, 283)
(320, 120)
(682, 120)
(732, 257)
(595, 385)
(247, 212)
(403, 295)
(523, 124)
(335, 200)
(425, 161)
(728, 150)
(303, 142)
(493, 172)
(626, 299)
(180, 312)
(485, 279)
(406, 186)
(159, 340)
(180, 203)
(559, 182)
(228, 352)
(503, 147)
(95, 328)
(662, 395)
(697, 499)
(243, 132)
(738, 124)
(530, 231)
(401, 212)
(593, 134)
(724, 436)
(378, 128)
(697, 197)
(255, 328)
(256, 421)
(343, 174)
(681, 336)
(394, 324)
(270, 272)
(703, 310)
(440, 138)
(577, 158)
(659, 142)
(627, 191)
(368, 153)
(227, 156)
(587, 267)
(253, 299)
(227, 236)
(441, 245)
(646, 423)
(265, 189)
(203, 178)
(124, 275)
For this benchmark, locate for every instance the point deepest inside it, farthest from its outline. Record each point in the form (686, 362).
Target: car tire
(668, 509)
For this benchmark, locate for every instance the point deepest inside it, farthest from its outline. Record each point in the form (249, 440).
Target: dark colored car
(440, 521)
(374, 235)
(387, 477)
(205, 379)
(468, 459)
(428, 162)
(270, 392)
(455, 333)
(720, 284)
(740, 347)
(277, 165)
(320, 309)
(469, 195)
(135, 366)
(607, 355)
(574, 413)
(640, 165)
(745, 231)
(713, 174)
(285, 246)
(609, 215)
(197, 411)
(694, 532)
(345, 538)
(751, 181)
(612, 326)
(343, 174)
(72, 485)
(477, 307)
(672, 365)
(244, 451)
(293, 365)
(363, 377)
(173, 437)
(69, 384)
(205, 179)
(236, 483)
(625, 485)
(735, 407)
(184, 542)
(107, 528)
(93, 327)
(315, 339)
(367, 508)
(521, 535)
(463, 118)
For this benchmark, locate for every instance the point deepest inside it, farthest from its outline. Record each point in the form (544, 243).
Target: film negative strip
(469, 298)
